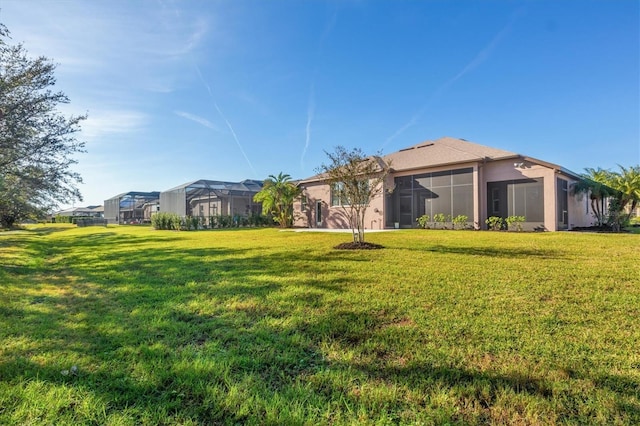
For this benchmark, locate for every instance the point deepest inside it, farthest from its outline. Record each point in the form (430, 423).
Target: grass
(267, 327)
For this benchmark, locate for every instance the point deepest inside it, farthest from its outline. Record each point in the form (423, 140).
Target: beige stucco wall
(495, 171)
(333, 217)
(507, 170)
(579, 210)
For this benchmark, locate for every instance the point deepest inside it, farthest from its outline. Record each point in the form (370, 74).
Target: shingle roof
(442, 152)
(448, 151)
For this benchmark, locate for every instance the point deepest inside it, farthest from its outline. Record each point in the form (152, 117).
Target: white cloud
(110, 43)
(311, 108)
(197, 119)
(235, 137)
(108, 122)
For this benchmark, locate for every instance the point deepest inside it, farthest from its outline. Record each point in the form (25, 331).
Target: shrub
(440, 218)
(166, 221)
(62, 219)
(460, 221)
(495, 223)
(515, 222)
(423, 221)
(225, 221)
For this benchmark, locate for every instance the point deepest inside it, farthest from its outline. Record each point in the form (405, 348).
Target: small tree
(355, 180)
(277, 196)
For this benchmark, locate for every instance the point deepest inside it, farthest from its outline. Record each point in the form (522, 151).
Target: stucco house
(456, 177)
(89, 211)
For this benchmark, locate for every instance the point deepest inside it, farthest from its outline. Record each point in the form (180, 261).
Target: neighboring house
(455, 177)
(130, 207)
(206, 198)
(635, 212)
(89, 211)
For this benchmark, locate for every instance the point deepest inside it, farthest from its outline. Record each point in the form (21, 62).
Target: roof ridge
(446, 138)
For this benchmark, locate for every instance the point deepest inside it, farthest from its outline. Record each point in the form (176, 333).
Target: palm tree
(627, 183)
(595, 184)
(277, 196)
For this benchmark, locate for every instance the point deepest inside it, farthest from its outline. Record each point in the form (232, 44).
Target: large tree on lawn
(355, 180)
(37, 142)
(277, 196)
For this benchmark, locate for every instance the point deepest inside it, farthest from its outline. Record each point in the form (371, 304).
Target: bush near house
(514, 223)
(495, 223)
(171, 221)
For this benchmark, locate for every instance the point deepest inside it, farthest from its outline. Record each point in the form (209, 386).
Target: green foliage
(166, 221)
(256, 326)
(460, 221)
(423, 221)
(277, 196)
(256, 220)
(515, 222)
(195, 223)
(37, 142)
(439, 219)
(495, 223)
(358, 178)
(225, 221)
(604, 185)
(62, 219)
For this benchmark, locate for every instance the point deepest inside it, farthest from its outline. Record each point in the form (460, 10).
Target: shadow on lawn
(497, 252)
(182, 329)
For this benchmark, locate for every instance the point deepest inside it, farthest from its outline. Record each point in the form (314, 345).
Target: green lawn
(268, 327)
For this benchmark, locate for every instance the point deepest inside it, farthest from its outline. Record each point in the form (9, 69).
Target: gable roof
(381, 164)
(444, 151)
(448, 151)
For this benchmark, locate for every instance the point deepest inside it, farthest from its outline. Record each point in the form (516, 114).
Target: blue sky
(184, 90)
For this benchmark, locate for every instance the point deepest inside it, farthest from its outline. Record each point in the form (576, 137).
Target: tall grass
(256, 326)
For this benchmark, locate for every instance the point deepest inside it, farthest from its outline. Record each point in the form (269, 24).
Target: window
(318, 213)
(495, 198)
(339, 198)
(303, 203)
(337, 195)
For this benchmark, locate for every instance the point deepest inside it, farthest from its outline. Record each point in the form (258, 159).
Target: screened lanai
(131, 207)
(211, 198)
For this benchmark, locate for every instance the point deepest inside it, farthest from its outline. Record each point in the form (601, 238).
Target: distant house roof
(80, 211)
(246, 187)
